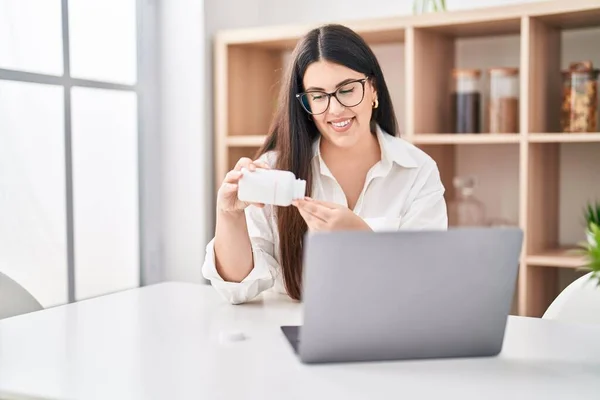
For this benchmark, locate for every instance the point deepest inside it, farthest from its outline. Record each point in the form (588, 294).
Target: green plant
(592, 214)
(591, 251)
(423, 6)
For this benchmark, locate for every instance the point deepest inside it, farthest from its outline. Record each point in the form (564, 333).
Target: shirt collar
(395, 149)
(392, 150)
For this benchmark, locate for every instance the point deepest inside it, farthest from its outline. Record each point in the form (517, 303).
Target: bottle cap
(503, 71)
(299, 189)
(466, 72)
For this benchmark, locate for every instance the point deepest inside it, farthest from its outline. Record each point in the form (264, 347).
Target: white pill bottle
(269, 186)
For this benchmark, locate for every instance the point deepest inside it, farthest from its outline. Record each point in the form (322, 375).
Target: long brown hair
(293, 132)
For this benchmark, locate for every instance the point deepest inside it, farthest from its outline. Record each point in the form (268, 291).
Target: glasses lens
(315, 102)
(351, 94)
(348, 95)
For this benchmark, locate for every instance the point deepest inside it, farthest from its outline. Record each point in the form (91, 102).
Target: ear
(373, 86)
(373, 92)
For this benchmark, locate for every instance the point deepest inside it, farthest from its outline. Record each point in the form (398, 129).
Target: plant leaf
(593, 252)
(591, 212)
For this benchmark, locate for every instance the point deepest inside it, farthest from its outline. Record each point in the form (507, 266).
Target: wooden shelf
(525, 175)
(379, 31)
(449, 138)
(560, 258)
(473, 22)
(246, 141)
(476, 28)
(577, 19)
(563, 137)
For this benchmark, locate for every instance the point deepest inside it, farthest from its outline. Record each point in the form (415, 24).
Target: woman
(335, 128)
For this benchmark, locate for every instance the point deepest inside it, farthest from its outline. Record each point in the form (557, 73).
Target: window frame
(146, 91)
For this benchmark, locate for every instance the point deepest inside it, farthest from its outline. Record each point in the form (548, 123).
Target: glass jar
(579, 111)
(466, 100)
(503, 107)
(465, 209)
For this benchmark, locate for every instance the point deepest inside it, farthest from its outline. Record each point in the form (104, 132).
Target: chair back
(579, 302)
(14, 299)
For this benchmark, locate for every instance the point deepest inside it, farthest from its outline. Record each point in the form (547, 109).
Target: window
(98, 53)
(105, 194)
(33, 245)
(71, 120)
(31, 36)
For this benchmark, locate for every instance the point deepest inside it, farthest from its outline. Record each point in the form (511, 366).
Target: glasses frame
(334, 94)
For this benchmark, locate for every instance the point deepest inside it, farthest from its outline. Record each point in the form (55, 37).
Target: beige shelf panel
(563, 137)
(476, 28)
(585, 18)
(569, 14)
(380, 31)
(560, 258)
(246, 141)
(450, 138)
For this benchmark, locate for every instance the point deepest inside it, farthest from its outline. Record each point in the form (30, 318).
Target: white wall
(185, 143)
(316, 11)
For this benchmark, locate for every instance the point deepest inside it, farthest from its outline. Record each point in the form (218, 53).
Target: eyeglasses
(350, 94)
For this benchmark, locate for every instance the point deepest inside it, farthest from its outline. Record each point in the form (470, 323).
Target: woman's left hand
(325, 216)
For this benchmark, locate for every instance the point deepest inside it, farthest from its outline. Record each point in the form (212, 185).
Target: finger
(261, 164)
(309, 219)
(229, 187)
(320, 226)
(317, 210)
(331, 206)
(243, 162)
(233, 176)
(314, 224)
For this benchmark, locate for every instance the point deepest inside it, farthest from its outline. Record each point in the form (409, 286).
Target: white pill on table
(231, 336)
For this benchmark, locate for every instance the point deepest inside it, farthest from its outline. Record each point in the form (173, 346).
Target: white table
(162, 342)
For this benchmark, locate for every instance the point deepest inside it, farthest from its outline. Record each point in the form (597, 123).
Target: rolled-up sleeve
(265, 269)
(428, 210)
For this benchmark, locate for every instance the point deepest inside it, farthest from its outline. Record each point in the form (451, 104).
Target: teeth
(341, 124)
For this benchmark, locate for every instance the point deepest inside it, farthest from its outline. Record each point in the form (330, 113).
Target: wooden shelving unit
(428, 138)
(559, 258)
(249, 63)
(246, 140)
(564, 137)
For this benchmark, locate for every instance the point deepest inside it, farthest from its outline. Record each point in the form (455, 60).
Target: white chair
(579, 302)
(14, 299)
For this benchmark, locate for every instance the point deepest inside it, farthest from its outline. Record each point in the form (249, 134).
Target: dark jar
(466, 101)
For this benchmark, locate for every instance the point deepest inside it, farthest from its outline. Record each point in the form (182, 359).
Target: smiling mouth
(341, 124)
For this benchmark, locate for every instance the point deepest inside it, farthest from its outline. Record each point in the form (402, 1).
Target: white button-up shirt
(402, 191)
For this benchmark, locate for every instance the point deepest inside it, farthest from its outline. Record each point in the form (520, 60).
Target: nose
(335, 107)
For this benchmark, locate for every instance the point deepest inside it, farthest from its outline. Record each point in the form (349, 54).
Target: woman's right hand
(227, 196)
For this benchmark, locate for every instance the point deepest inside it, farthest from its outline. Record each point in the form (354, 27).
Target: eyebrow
(336, 86)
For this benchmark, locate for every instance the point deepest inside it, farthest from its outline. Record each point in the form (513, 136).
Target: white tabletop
(163, 342)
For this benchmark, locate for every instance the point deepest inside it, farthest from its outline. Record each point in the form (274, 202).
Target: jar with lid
(579, 111)
(466, 101)
(465, 209)
(503, 107)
